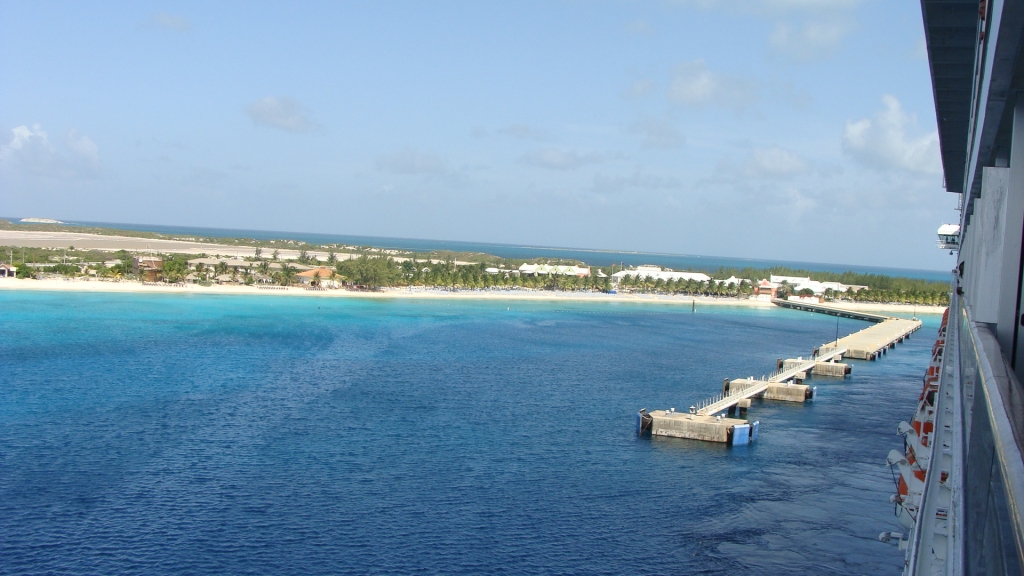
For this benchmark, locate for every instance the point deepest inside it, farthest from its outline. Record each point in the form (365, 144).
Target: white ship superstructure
(959, 489)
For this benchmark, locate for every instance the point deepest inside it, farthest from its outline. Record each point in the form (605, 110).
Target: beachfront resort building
(798, 283)
(548, 269)
(319, 277)
(149, 267)
(655, 273)
(765, 291)
(7, 271)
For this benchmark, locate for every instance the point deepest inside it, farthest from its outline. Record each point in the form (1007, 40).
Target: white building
(656, 273)
(737, 281)
(546, 269)
(799, 283)
(791, 280)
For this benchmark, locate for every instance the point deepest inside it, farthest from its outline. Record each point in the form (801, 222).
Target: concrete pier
(830, 310)
(789, 392)
(786, 391)
(871, 342)
(705, 421)
(733, 431)
(835, 369)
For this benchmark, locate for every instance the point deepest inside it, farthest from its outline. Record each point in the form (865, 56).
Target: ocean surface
(592, 257)
(144, 434)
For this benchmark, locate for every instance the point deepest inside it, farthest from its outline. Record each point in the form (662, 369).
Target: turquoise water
(229, 434)
(592, 257)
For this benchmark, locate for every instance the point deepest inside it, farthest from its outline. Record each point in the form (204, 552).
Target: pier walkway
(830, 310)
(873, 341)
(749, 388)
(705, 420)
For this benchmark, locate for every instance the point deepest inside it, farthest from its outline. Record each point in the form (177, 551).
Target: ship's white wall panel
(967, 258)
(1009, 271)
(987, 229)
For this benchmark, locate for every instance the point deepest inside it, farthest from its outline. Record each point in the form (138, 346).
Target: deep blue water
(144, 434)
(592, 257)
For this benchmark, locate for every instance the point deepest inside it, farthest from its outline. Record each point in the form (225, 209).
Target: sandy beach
(94, 285)
(113, 243)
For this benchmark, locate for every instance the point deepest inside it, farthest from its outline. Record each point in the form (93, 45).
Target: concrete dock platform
(732, 431)
(835, 369)
(705, 420)
(830, 310)
(871, 342)
(785, 391)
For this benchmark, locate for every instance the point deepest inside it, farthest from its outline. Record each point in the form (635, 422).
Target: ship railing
(972, 504)
(993, 468)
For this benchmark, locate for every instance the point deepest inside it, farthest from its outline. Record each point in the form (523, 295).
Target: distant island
(110, 255)
(40, 221)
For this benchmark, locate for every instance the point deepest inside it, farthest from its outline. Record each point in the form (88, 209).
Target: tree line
(371, 272)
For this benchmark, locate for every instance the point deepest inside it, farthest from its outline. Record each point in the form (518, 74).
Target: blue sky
(789, 129)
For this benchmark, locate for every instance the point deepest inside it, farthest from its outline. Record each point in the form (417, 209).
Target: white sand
(93, 285)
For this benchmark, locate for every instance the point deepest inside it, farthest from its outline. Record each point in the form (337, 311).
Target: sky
(780, 129)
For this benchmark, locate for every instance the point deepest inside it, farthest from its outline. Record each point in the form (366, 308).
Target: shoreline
(57, 240)
(54, 285)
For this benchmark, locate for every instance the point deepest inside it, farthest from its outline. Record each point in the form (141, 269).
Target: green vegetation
(873, 281)
(376, 268)
(375, 272)
(881, 289)
(685, 287)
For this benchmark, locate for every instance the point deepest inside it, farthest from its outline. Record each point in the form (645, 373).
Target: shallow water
(206, 434)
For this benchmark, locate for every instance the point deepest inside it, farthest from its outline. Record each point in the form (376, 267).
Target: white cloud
(411, 161)
(804, 30)
(810, 40)
(640, 28)
(172, 22)
(883, 143)
(638, 180)
(556, 159)
(30, 151)
(773, 163)
(639, 88)
(770, 7)
(282, 112)
(804, 5)
(657, 133)
(82, 145)
(693, 84)
(524, 132)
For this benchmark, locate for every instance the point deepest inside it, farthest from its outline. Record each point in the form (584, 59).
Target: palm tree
(287, 274)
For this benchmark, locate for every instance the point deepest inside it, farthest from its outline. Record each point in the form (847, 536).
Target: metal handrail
(997, 376)
(923, 535)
